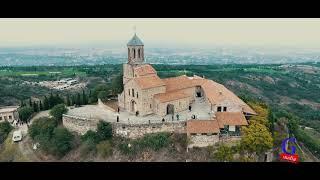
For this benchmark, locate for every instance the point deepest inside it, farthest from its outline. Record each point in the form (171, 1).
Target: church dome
(135, 41)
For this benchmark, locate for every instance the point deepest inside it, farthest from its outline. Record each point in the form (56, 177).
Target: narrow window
(128, 52)
(129, 91)
(150, 106)
(139, 53)
(219, 109)
(0, 118)
(193, 134)
(137, 95)
(224, 108)
(132, 92)
(134, 53)
(10, 117)
(203, 133)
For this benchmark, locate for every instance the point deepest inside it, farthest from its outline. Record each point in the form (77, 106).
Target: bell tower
(135, 50)
(135, 57)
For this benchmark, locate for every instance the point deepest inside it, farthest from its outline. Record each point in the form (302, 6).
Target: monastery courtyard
(199, 108)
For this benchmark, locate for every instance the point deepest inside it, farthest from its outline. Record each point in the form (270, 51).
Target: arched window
(139, 53)
(132, 92)
(134, 53)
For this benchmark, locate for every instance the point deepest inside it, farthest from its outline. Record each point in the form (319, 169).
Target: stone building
(9, 113)
(145, 93)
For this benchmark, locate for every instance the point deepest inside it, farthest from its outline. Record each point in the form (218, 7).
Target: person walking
(177, 117)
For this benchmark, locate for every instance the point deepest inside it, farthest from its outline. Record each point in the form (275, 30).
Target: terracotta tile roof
(202, 126)
(231, 118)
(171, 96)
(144, 70)
(217, 93)
(146, 82)
(182, 82)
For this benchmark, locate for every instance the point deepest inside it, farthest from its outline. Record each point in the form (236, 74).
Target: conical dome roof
(135, 41)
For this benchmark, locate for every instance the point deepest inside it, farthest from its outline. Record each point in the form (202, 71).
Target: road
(25, 146)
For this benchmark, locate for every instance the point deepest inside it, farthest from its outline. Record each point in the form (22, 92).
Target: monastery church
(146, 94)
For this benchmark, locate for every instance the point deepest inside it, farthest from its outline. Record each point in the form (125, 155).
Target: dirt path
(26, 149)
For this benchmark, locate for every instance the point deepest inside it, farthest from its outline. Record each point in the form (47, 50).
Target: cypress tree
(30, 102)
(84, 98)
(51, 101)
(35, 107)
(22, 103)
(45, 103)
(78, 100)
(68, 100)
(40, 106)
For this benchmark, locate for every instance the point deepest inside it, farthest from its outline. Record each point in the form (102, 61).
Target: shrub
(53, 140)
(57, 111)
(224, 153)
(104, 148)
(104, 130)
(61, 142)
(87, 147)
(155, 141)
(90, 136)
(5, 129)
(42, 128)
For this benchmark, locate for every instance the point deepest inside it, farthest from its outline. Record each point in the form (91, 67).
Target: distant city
(181, 56)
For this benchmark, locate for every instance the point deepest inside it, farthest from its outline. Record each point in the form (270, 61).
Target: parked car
(17, 136)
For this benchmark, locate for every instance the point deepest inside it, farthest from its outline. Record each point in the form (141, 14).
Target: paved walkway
(199, 108)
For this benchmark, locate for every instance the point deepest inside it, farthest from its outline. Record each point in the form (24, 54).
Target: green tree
(62, 141)
(40, 106)
(41, 129)
(45, 103)
(78, 99)
(51, 101)
(22, 103)
(35, 107)
(104, 130)
(57, 111)
(5, 129)
(117, 85)
(68, 100)
(90, 136)
(30, 102)
(84, 97)
(256, 139)
(25, 113)
(103, 95)
(223, 154)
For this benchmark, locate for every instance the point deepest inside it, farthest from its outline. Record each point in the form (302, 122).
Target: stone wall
(179, 105)
(138, 130)
(203, 140)
(103, 106)
(79, 124)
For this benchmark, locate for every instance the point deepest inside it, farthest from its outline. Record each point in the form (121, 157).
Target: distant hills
(97, 56)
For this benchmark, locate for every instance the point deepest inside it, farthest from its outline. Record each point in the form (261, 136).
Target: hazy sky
(196, 32)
